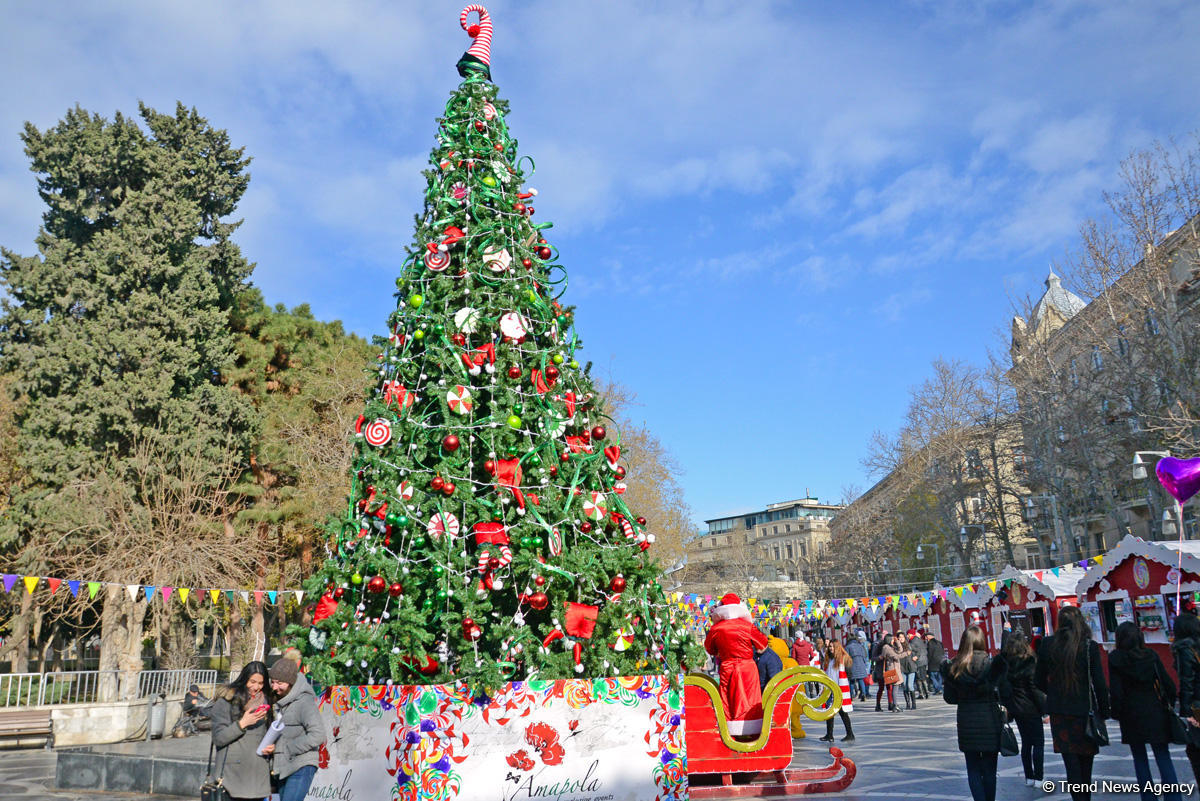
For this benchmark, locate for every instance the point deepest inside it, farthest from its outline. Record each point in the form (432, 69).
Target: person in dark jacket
(240, 717)
(1025, 704)
(920, 657)
(908, 672)
(1186, 651)
(885, 660)
(970, 683)
(937, 655)
(1070, 672)
(1142, 696)
(769, 664)
(860, 664)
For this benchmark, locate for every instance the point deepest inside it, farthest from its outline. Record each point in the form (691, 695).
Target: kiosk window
(1108, 615)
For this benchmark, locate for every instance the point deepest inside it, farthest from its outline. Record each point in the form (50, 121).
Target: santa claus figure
(733, 640)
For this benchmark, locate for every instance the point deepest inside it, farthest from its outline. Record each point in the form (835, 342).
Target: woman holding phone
(240, 716)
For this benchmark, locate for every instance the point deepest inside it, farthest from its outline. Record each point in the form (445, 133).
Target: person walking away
(920, 653)
(887, 660)
(908, 671)
(1070, 673)
(860, 664)
(295, 752)
(1025, 704)
(1143, 695)
(836, 662)
(1186, 652)
(802, 650)
(240, 716)
(937, 655)
(733, 640)
(970, 681)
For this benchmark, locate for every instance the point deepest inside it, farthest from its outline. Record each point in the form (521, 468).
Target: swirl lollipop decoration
(478, 57)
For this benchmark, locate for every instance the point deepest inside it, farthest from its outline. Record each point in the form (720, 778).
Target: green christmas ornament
(489, 180)
(574, 365)
(557, 358)
(419, 334)
(514, 421)
(416, 301)
(356, 579)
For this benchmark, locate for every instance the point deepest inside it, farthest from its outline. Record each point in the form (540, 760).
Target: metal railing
(90, 686)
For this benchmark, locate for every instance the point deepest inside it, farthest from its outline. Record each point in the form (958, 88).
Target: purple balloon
(1180, 477)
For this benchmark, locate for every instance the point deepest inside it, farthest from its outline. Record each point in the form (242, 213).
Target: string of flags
(695, 608)
(150, 592)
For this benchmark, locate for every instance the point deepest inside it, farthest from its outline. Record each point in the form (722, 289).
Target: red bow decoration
(395, 391)
(612, 453)
(476, 359)
(539, 382)
(581, 620)
(508, 474)
(577, 444)
(569, 398)
(325, 608)
(452, 235)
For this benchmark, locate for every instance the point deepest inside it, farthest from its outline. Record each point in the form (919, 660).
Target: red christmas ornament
(376, 584)
(396, 590)
(551, 372)
(489, 467)
(641, 521)
(450, 443)
(498, 147)
(437, 483)
(539, 601)
(339, 592)
(598, 433)
(480, 125)
(526, 263)
(514, 372)
(620, 473)
(519, 207)
(544, 252)
(617, 584)
(585, 527)
(493, 563)
(539, 580)
(554, 470)
(564, 456)
(448, 488)
(460, 340)
(468, 622)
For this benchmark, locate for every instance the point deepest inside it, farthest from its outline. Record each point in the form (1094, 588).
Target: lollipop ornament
(478, 58)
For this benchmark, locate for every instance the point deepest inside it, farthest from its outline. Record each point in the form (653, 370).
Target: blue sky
(773, 215)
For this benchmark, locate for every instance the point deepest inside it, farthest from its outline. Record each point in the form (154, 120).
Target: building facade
(769, 544)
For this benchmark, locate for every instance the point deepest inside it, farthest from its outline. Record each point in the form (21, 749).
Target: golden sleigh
(760, 764)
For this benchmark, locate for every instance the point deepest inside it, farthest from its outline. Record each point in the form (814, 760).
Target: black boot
(849, 738)
(879, 701)
(907, 699)
(828, 738)
(912, 699)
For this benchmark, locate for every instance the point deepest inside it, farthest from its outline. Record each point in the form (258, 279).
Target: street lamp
(937, 555)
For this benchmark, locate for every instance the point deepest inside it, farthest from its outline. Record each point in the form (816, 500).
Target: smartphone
(262, 708)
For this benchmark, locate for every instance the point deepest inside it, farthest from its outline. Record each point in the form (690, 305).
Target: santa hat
(731, 607)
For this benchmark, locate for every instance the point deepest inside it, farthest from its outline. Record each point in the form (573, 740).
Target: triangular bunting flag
(1056, 570)
(271, 595)
(245, 596)
(93, 588)
(73, 586)
(166, 594)
(30, 583)
(54, 584)
(258, 597)
(149, 591)
(992, 586)
(132, 589)
(9, 580)
(229, 595)
(959, 591)
(184, 592)
(214, 594)
(299, 596)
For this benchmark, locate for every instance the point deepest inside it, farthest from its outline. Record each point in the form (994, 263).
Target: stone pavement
(914, 755)
(28, 775)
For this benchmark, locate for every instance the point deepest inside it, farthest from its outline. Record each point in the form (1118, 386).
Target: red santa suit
(732, 640)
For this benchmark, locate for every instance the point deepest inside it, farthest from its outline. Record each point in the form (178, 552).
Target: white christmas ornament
(466, 320)
(513, 325)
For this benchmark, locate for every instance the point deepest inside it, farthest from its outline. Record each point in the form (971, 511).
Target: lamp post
(1032, 511)
(900, 568)
(986, 563)
(937, 555)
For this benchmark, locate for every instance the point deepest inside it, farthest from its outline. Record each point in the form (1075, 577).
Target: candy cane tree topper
(479, 55)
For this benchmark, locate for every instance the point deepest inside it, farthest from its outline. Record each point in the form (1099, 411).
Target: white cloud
(896, 305)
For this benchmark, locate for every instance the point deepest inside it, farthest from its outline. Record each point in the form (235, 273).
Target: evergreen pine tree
(485, 538)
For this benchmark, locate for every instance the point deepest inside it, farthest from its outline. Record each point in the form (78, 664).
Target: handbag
(1008, 741)
(214, 790)
(1177, 727)
(892, 676)
(1094, 727)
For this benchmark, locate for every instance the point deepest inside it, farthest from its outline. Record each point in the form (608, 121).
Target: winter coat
(1187, 667)
(888, 660)
(974, 693)
(920, 652)
(937, 653)
(243, 772)
(1019, 693)
(303, 729)
(860, 666)
(802, 652)
(769, 664)
(906, 658)
(1141, 691)
(1075, 702)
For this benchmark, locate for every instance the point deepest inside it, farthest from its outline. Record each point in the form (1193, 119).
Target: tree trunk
(121, 626)
(18, 641)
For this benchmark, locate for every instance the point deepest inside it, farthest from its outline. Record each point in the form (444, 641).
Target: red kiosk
(956, 612)
(1138, 581)
(1030, 599)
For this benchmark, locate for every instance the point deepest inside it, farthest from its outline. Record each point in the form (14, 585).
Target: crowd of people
(1059, 679)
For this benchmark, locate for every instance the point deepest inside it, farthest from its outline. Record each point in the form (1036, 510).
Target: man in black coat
(769, 664)
(936, 655)
(920, 653)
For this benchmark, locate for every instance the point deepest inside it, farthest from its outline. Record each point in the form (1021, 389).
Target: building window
(774, 529)
(776, 553)
(803, 550)
(789, 551)
(1097, 358)
(821, 549)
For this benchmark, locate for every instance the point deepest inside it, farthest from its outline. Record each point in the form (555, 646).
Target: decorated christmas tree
(485, 537)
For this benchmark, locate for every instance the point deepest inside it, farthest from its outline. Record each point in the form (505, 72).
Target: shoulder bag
(1008, 739)
(1094, 727)
(1177, 727)
(214, 790)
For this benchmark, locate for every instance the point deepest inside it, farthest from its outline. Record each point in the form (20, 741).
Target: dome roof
(1056, 297)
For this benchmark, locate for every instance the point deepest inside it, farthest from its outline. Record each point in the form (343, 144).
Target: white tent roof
(1165, 553)
(1049, 585)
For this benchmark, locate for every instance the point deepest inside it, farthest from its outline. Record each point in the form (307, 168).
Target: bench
(19, 727)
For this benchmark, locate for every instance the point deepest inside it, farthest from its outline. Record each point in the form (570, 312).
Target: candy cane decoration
(481, 48)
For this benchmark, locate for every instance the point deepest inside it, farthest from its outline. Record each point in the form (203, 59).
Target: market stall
(1030, 599)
